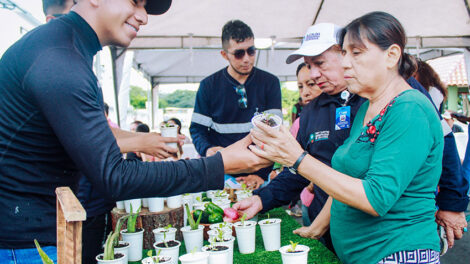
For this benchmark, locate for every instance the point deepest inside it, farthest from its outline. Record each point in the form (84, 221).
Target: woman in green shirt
(384, 176)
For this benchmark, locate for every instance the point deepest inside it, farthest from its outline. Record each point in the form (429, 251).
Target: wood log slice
(149, 221)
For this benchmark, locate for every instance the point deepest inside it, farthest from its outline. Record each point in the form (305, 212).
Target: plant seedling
(292, 246)
(156, 259)
(112, 240)
(132, 220)
(44, 257)
(199, 199)
(243, 219)
(194, 225)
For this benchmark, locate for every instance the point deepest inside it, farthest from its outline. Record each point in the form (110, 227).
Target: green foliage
(292, 246)
(194, 224)
(131, 221)
(289, 99)
(243, 219)
(44, 257)
(178, 98)
(112, 240)
(138, 97)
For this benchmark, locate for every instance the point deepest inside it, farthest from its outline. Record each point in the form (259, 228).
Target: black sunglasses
(240, 53)
(242, 102)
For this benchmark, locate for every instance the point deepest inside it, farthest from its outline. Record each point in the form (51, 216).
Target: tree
(138, 97)
(289, 99)
(179, 98)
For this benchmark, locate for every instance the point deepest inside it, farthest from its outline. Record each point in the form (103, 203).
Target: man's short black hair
(236, 30)
(46, 4)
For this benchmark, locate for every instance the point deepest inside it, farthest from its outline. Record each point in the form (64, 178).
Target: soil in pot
(217, 248)
(170, 243)
(116, 256)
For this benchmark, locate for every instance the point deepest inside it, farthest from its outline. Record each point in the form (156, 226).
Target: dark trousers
(94, 232)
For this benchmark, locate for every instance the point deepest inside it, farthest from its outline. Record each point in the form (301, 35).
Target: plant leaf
(44, 257)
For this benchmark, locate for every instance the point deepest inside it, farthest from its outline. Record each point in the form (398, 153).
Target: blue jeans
(26, 255)
(305, 218)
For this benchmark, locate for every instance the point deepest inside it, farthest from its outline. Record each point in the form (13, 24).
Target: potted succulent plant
(244, 193)
(187, 199)
(156, 259)
(220, 196)
(164, 233)
(246, 235)
(269, 119)
(169, 248)
(195, 258)
(271, 232)
(294, 253)
(193, 234)
(224, 238)
(109, 255)
(133, 236)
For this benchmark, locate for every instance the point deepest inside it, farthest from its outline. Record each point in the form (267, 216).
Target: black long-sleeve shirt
(52, 126)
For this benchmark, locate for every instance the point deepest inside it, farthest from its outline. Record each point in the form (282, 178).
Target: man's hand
(239, 159)
(249, 206)
(155, 145)
(213, 150)
(252, 181)
(453, 223)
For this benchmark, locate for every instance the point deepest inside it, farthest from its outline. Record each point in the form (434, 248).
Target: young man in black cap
(53, 127)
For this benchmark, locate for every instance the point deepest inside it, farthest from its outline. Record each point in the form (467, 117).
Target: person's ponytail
(407, 66)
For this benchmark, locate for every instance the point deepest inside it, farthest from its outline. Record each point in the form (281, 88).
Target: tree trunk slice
(149, 221)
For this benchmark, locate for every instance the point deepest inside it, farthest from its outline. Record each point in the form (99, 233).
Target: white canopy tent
(183, 44)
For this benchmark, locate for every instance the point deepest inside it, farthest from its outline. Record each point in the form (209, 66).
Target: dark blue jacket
(219, 121)
(52, 127)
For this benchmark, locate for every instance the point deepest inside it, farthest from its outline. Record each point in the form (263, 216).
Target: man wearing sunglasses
(227, 100)
(53, 128)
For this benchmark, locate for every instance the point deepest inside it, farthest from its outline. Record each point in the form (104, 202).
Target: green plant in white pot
(134, 236)
(109, 255)
(193, 233)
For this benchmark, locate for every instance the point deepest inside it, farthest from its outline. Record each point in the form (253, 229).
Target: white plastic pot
(145, 203)
(136, 241)
(222, 203)
(193, 239)
(195, 196)
(120, 205)
(259, 117)
(174, 201)
(294, 258)
(195, 258)
(217, 225)
(246, 236)
(123, 250)
(160, 235)
(241, 195)
(136, 203)
(161, 260)
(172, 252)
(156, 204)
(271, 233)
(229, 244)
(170, 132)
(114, 261)
(210, 194)
(200, 205)
(218, 257)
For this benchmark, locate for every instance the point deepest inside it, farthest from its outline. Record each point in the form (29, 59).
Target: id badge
(343, 118)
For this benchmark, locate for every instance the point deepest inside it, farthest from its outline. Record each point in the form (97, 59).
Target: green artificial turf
(318, 254)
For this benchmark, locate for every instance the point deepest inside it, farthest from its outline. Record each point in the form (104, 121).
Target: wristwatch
(294, 167)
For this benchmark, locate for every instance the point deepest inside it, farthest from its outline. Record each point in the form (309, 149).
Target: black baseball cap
(157, 7)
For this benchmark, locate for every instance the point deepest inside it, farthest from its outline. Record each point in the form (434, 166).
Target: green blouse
(398, 157)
